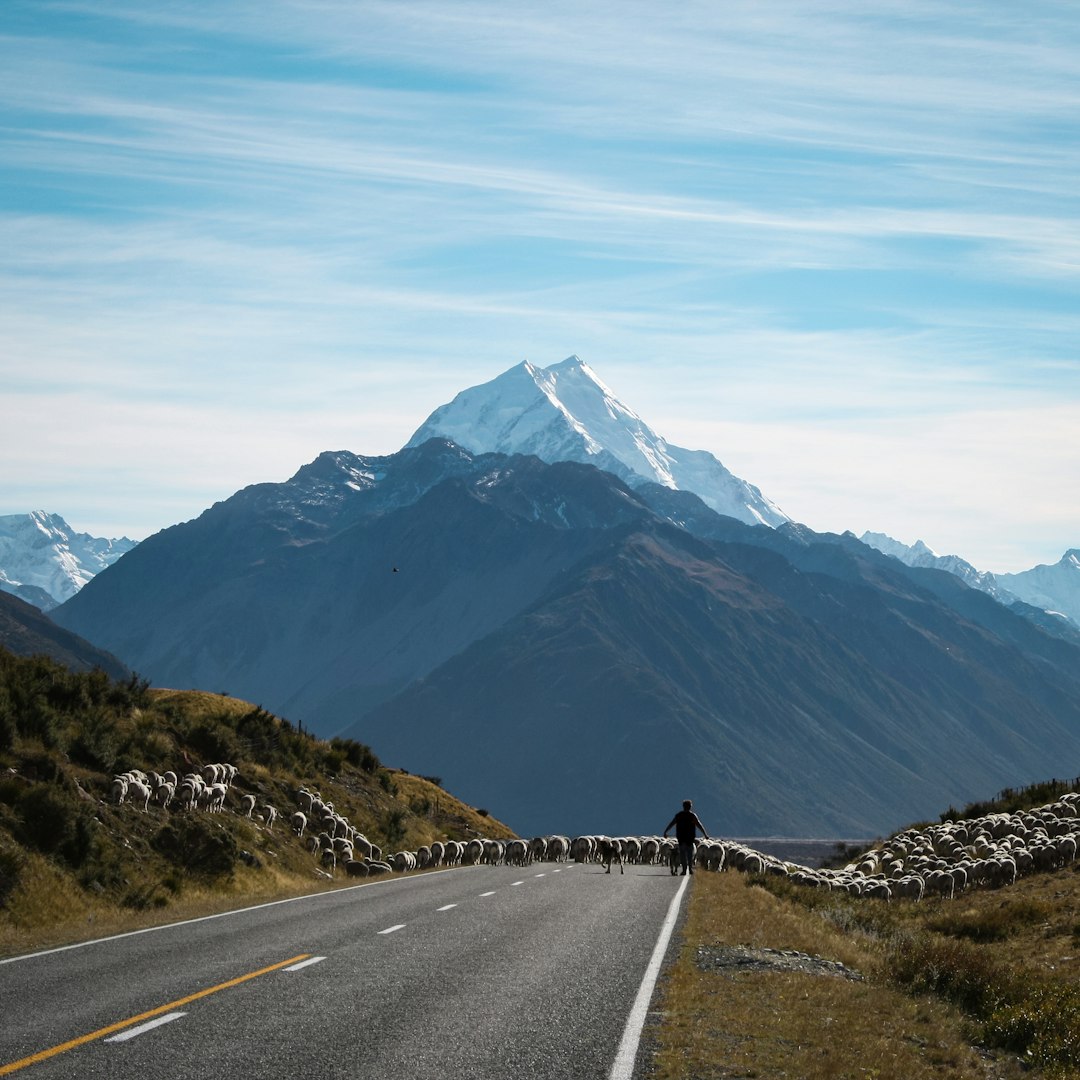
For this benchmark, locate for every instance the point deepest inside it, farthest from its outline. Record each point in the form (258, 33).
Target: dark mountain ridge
(663, 667)
(580, 656)
(26, 631)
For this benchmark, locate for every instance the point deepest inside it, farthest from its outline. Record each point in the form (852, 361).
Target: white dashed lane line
(168, 1018)
(305, 963)
(401, 926)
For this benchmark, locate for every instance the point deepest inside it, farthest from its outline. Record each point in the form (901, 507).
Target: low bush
(1042, 1023)
(54, 823)
(197, 845)
(989, 924)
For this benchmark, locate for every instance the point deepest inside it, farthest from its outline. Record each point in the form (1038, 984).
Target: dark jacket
(686, 825)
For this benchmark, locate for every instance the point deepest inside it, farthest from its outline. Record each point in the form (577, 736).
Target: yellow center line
(44, 1055)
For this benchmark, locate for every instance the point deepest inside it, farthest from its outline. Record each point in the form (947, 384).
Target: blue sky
(837, 245)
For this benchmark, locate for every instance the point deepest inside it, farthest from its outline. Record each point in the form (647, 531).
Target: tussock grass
(793, 1024)
(986, 985)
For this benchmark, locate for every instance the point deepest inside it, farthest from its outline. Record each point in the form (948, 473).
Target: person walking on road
(686, 824)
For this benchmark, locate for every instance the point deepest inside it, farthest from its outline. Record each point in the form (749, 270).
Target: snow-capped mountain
(919, 554)
(1053, 588)
(565, 413)
(44, 561)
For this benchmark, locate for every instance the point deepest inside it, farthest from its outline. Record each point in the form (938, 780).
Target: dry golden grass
(794, 1024)
(48, 909)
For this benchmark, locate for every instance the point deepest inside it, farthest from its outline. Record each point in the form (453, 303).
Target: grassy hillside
(75, 864)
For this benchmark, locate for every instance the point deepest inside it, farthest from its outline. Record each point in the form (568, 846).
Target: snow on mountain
(919, 554)
(565, 413)
(44, 561)
(1053, 588)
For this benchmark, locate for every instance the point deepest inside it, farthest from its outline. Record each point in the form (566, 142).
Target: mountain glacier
(1053, 588)
(44, 561)
(565, 413)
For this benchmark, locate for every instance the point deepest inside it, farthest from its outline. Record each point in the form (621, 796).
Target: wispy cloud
(806, 232)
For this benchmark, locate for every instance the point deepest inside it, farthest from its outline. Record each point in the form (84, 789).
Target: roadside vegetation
(986, 985)
(75, 865)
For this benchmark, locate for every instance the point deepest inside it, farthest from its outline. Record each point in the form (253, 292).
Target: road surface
(477, 973)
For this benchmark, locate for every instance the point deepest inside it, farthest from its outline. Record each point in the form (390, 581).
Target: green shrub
(258, 731)
(8, 729)
(196, 845)
(357, 754)
(55, 823)
(394, 826)
(990, 924)
(214, 741)
(1043, 1024)
(949, 969)
(95, 743)
(331, 760)
(11, 861)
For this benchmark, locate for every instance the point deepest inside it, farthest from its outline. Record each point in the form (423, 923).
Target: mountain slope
(565, 413)
(26, 631)
(779, 700)
(336, 589)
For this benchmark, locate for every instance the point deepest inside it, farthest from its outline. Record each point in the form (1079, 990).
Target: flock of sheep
(205, 789)
(940, 860)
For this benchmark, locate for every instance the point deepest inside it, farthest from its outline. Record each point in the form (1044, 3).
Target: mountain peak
(564, 412)
(45, 561)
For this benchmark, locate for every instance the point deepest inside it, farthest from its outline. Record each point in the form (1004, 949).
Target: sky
(835, 244)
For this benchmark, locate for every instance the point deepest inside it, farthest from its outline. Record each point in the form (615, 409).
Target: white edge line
(305, 963)
(143, 1028)
(224, 914)
(623, 1067)
(391, 929)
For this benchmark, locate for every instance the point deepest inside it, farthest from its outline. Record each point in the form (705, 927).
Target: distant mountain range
(532, 601)
(44, 561)
(559, 413)
(1054, 589)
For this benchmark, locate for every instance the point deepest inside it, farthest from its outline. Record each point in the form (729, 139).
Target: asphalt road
(477, 973)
